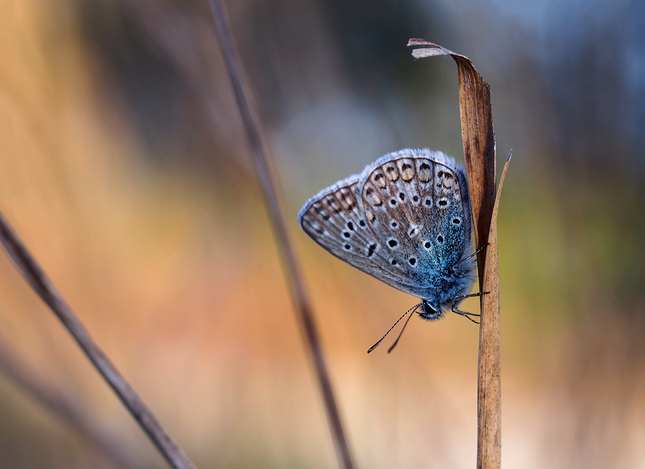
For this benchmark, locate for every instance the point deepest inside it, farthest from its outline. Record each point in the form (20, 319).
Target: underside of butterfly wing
(405, 220)
(416, 204)
(334, 220)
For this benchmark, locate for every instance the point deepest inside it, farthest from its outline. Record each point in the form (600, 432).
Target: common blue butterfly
(406, 220)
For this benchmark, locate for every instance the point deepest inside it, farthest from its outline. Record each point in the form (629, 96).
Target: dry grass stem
(479, 152)
(62, 403)
(46, 290)
(262, 163)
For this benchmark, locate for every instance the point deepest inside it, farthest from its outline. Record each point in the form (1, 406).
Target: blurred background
(125, 170)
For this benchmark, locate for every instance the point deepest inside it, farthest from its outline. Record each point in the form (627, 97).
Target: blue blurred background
(125, 170)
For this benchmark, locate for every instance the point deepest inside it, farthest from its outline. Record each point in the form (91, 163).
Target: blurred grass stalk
(130, 399)
(63, 403)
(268, 181)
(479, 153)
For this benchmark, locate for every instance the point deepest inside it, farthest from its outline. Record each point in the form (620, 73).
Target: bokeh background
(125, 170)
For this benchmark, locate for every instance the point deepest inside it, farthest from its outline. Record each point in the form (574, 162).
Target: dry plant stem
(63, 404)
(46, 290)
(479, 152)
(261, 161)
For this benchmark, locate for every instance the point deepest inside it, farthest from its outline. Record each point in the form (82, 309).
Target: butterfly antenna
(400, 334)
(411, 310)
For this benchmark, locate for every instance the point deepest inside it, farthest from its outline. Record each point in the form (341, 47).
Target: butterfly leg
(471, 295)
(465, 314)
(462, 297)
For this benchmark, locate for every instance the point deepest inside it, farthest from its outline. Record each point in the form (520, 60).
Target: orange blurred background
(125, 171)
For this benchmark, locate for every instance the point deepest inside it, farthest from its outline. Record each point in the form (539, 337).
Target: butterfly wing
(385, 221)
(333, 219)
(417, 207)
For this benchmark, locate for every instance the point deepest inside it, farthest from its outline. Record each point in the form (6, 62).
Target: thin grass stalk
(64, 404)
(479, 153)
(265, 173)
(46, 290)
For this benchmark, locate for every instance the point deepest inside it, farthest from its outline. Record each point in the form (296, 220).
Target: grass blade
(479, 153)
(262, 161)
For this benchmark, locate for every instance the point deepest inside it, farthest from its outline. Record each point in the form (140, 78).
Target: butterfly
(405, 220)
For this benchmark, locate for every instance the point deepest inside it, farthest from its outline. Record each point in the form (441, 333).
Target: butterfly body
(405, 220)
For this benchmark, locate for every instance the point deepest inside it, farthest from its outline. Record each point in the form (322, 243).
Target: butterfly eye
(415, 199)
(440, 239)
(347, 247)
(402, 196)
(393, 202)
(412, 261)
(427, 245)
(393, 262)
(442, 203)
(361, 223)
(427, 202)
(394, 225)
(456, 221)
(413, 231)
(347, 234)
(392, 243)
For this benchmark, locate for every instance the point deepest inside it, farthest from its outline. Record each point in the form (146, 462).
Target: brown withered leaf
(479, 152)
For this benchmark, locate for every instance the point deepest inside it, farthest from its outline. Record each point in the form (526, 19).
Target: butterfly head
(430, 311)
